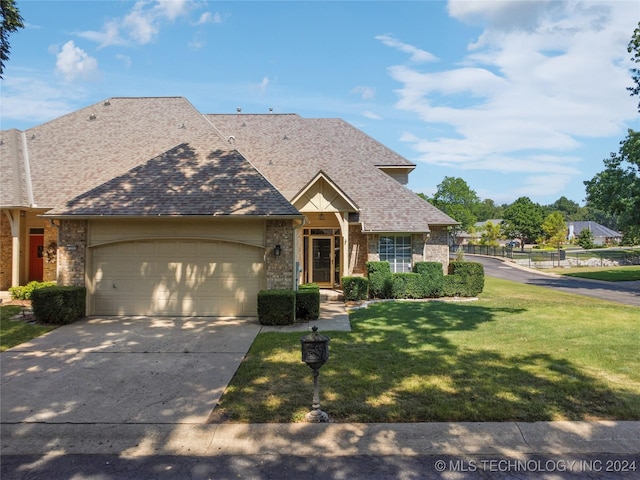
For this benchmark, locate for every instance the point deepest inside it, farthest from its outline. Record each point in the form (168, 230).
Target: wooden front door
(36, 254)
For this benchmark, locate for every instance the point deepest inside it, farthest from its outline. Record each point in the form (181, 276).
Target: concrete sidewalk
(508, 439)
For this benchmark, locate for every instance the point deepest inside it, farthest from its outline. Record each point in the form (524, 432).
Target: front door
(321, 261)
(36, 254)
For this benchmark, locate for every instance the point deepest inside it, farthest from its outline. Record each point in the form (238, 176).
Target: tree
(585, 239)
(634, 48)
(568, 208)
(616, 190)
(456, 199)
(555, 229)
(523, 220)
(487, 209)
(11, 22)
(491, 234)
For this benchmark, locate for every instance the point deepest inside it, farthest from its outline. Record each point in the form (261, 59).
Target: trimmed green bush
(407, 285)
(355, 288)
(432, 277)
(276, 307)
(24, 292)
(453, 286)
(308, 301)
(59, 305)
(379, 274)
(470, 281)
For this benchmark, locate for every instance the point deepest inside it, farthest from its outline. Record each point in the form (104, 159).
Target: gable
(323, 195)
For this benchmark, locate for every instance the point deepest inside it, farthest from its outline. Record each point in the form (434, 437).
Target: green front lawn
(15, 332)
(608, 274)
(519, 353)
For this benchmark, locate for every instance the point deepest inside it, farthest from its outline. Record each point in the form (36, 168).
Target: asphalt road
(621, 292)
(369, 467)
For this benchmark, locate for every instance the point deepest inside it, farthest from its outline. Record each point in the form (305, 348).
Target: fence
(556, 258)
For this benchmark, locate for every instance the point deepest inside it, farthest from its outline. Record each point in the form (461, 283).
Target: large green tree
(523, 220)
(11, 22)
(634, 50)
(616, 190)
(455, 198)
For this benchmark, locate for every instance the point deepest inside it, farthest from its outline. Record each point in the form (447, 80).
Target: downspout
(297, 268)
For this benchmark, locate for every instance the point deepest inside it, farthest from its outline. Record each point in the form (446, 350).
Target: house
(475, 236)
(161, 210)
(601, 234)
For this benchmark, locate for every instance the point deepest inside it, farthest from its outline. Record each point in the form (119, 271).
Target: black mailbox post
(315, 353)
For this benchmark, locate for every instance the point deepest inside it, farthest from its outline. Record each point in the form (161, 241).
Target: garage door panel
(176, 278)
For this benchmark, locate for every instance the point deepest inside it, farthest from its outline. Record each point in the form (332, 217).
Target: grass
(608, 274)
(15, 332)
(519, 353)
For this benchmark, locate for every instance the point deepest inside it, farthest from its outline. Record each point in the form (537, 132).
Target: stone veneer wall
(6, 248)
(437, 247)
(279, 269)
(358, 250)
(50, 241)
(72, 252)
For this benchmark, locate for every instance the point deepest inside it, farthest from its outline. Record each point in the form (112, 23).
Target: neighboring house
(601, 234)
(160, 210)
(465, 238)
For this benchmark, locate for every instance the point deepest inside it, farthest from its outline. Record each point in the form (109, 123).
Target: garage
(175, 277)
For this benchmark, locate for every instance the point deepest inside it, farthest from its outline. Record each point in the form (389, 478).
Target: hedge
(355, 288)
(433, 278)
(308, 301)
(407, 285)
(379, 274)
(24, 292)
(467, 279)
(59, 305)
(276, 307)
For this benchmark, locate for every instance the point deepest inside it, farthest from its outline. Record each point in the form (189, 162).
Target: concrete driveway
(124, 370)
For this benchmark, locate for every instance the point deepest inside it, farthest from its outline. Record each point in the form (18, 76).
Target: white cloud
(417, 55)
(143, 22)
(208, 17)
(27, 99)
(371, 115)
(262, 86)
(542, 77)
(366, 93)
(73, 63)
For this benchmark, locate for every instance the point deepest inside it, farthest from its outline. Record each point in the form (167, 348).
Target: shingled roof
(290, 150)
(115, 158)
(196, 178)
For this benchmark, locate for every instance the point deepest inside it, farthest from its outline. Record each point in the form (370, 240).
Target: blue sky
(519, 98)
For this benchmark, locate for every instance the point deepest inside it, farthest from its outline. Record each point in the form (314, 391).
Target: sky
(518, 98)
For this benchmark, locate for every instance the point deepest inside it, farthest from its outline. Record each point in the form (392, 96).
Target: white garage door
(176, 277)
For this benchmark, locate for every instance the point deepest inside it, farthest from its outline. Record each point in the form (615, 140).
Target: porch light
(321, 216)
(277, 251)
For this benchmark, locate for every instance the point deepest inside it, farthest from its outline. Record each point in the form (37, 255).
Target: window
(396, 249)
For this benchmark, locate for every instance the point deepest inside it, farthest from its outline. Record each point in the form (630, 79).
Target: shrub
(355, 288)
(379, 274)
(276, 307)
(407, 285)
(24, 292)
(453, 286)
(308, 301)
(432, 277)
(470, 281)
(59, 305)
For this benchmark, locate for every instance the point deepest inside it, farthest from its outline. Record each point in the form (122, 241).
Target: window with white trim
(396, 249)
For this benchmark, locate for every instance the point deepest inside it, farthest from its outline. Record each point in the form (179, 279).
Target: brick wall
(279, 269)
(437, 247)
(72, 252)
